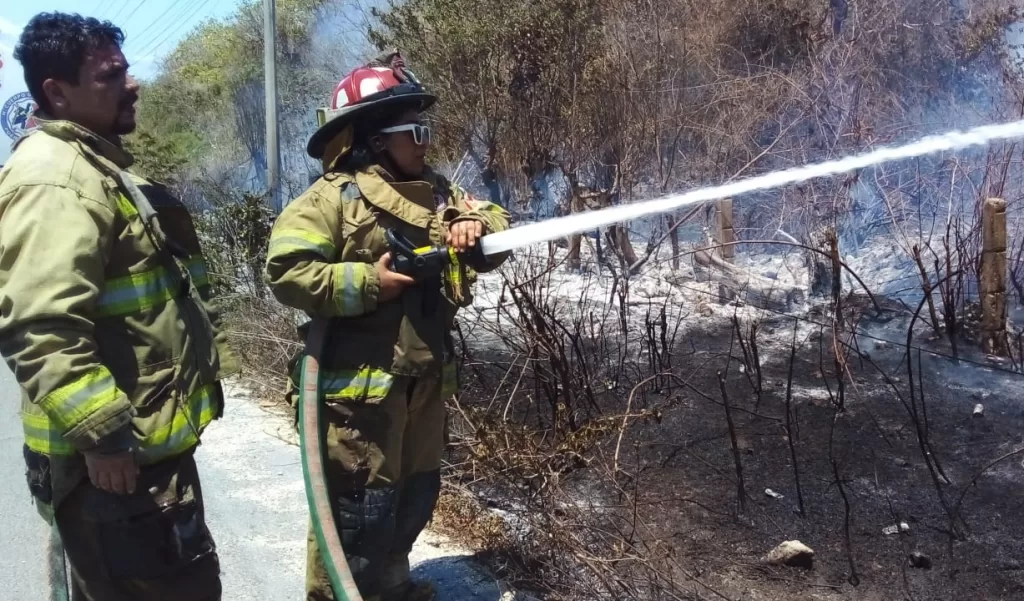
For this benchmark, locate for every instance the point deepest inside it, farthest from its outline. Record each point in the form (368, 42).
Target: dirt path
(257, 510)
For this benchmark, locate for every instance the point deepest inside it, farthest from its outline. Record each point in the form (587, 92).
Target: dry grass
(263, 333)
(460, 516)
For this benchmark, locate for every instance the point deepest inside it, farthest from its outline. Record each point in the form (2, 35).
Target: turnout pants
(383, 472)
(149, 546)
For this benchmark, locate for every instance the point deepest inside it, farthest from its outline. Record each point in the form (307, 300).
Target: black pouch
(148, 536)
(37, 472)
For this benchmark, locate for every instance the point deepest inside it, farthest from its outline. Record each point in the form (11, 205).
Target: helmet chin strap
(392, 167)
(384, 157)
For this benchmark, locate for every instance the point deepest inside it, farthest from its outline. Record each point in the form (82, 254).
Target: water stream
(560, 227)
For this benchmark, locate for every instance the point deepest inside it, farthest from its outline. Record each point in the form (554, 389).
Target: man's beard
(125, 123)
(123, 128)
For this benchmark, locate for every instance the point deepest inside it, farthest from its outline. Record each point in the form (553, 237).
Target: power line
(198, 6)
(120, 10)
(160, 19)
(96, 9)
(153, 47)
(177, 18)
(134, 10)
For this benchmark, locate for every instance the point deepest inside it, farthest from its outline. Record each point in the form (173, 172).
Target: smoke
(339, 36)
(1015, 47)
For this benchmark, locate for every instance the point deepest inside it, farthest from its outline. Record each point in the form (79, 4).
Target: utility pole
(270, 87)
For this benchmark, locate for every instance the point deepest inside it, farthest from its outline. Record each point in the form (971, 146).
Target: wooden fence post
(726, 235)
(992, 280)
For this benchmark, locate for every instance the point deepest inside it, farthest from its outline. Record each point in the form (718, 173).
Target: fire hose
(311, 441)
(416, 262)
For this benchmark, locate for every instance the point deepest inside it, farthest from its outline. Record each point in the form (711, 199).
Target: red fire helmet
(364, 91)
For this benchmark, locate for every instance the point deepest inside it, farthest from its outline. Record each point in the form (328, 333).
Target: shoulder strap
(149, 216)
(167, 249)
(147, 213)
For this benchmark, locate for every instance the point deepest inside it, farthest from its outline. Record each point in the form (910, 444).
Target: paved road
(256, 508)
(22, 532)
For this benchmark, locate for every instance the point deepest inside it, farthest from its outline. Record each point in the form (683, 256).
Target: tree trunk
(488, 172)
(819, 278)
(624, 244)
(493, 185)
(573, 260)
(674, 240)
(537, 168)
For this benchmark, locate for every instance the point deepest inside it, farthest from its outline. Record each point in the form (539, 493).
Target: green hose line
(311, 441)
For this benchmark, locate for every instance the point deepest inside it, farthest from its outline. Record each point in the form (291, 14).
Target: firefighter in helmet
(389, 362)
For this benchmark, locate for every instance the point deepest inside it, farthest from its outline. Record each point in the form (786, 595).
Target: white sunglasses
(420, 133)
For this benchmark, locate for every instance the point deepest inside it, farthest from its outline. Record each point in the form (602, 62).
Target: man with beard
(106, 321)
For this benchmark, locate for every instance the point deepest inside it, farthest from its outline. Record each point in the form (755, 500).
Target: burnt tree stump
(992, 280)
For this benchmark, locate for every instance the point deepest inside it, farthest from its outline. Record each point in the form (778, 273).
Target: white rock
(792, 553)
(771, 493)
(901, 527)
(979, 410)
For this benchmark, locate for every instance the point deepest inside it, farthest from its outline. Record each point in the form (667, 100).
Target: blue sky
(152, 27)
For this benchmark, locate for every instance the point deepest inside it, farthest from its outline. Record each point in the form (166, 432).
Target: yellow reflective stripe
(72, 403)
(42, 436)
(485, 206)
(197, 271)
(182, 433)
(356, 384)
(454, 269)
(286, 242)
(135, 292)
(140, 291)
(349, 281)
(454, 283)
(126, 207)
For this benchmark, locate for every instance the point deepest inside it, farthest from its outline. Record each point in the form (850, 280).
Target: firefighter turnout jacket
(323, 250)
(106, 316)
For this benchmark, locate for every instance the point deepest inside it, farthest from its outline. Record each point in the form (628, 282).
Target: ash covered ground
(653, 490)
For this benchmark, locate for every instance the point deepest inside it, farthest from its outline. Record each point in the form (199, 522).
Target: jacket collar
(72, 132)
(413, 202)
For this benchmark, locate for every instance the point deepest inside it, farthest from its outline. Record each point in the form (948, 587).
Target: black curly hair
(54, 45)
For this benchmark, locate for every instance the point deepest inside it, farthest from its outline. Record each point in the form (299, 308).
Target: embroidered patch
(17, 117)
